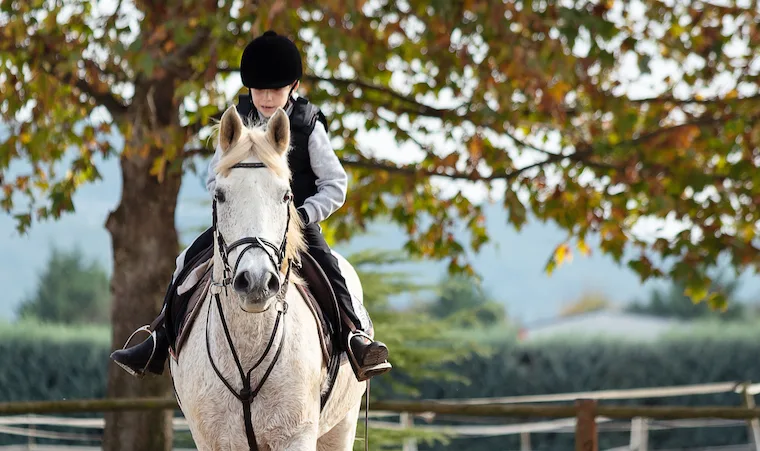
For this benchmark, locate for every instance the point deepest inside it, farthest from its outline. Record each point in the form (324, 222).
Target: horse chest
(285, 402)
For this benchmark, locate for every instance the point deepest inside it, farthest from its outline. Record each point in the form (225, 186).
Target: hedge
(45, 362)
(39, 365)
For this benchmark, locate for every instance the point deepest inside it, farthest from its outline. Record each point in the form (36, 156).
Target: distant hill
(512, 267)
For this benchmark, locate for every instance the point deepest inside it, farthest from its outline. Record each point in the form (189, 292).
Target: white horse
(257, 236)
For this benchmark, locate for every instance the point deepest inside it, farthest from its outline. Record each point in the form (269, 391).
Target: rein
(246, 395)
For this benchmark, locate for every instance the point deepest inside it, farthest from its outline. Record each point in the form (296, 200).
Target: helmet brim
(269, 84)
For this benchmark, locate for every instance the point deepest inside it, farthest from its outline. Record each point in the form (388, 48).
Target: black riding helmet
(270, 61)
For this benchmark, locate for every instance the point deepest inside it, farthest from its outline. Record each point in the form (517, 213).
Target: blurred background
(545, 198)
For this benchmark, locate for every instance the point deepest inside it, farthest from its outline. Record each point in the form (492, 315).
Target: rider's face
(267, 101)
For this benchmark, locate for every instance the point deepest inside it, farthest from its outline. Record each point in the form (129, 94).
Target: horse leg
(307, 442)
(341, 436)
(200, 445)
(302, 439)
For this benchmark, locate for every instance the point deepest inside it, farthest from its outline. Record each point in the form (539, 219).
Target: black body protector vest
(303, 117)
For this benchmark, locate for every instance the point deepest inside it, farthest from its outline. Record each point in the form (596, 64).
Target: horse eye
(288, 197)
(219, 196)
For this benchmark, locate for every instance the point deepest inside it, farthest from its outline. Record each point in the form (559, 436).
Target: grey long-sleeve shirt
(332, 181)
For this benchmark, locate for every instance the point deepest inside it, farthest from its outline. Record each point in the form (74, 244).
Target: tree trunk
(145, 243)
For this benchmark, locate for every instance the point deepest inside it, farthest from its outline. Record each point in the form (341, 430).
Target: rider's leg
(368, 358)
(151, 354)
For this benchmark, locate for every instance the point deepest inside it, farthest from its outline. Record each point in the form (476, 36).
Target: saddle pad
(323, 326)
(193, 306)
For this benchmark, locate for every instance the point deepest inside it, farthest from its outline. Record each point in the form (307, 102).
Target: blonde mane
(253, 143)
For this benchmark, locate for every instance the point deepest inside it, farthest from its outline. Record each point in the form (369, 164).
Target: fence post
(639, 434)
(407, 421)
(32, 428)
(585, 426)
(524, 441)
(753, 424)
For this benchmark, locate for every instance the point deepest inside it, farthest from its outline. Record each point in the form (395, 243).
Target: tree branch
(526, 145)
(198, 152)
(195, 127)
(415, 170)
(104, 98)
(176, 62)
(424, 110)
(665, 130)
(714, 100)
(100, 94)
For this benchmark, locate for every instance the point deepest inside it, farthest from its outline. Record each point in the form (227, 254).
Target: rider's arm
(332, 180)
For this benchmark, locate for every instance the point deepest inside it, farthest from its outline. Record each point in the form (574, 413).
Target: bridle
(276, 255)
(253, 242)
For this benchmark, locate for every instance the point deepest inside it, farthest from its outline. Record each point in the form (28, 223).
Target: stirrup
(152, 334)
(364, 373)
(357, 333)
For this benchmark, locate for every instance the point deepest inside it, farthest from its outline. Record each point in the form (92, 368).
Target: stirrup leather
(152, 334)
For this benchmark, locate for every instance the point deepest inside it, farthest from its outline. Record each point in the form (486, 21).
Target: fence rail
(585, 416)
(421, 407)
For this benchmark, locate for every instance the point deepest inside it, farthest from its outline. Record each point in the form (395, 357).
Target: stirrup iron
(152, 334)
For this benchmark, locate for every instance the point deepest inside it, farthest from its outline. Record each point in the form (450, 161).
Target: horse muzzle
(255, 289)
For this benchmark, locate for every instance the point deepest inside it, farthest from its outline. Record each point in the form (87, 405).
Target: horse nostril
(274, 283)
(242, 282)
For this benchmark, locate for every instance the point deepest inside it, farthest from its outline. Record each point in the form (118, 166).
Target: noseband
(276, 255)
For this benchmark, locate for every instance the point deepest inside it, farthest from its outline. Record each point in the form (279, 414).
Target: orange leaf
(450, 160)
(558, 91)
(22, 181)
(684, 136)
(475, 147)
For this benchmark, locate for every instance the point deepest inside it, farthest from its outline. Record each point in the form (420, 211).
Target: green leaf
(697, 290)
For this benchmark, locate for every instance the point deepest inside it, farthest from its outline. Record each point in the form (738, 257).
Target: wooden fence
(584, 410)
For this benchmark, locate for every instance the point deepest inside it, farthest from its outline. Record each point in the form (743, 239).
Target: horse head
(257, 230)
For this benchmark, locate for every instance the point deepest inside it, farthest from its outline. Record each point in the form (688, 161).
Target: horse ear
(278, 130)
(230, 128)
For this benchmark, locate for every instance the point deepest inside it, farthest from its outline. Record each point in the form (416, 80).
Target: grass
(36, 330)
(717, 329)
(487, 336)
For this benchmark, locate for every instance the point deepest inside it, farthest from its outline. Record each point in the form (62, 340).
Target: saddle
(192, 286)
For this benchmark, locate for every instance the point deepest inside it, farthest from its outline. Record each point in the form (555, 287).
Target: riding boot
(150, 355)
(368, 358)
